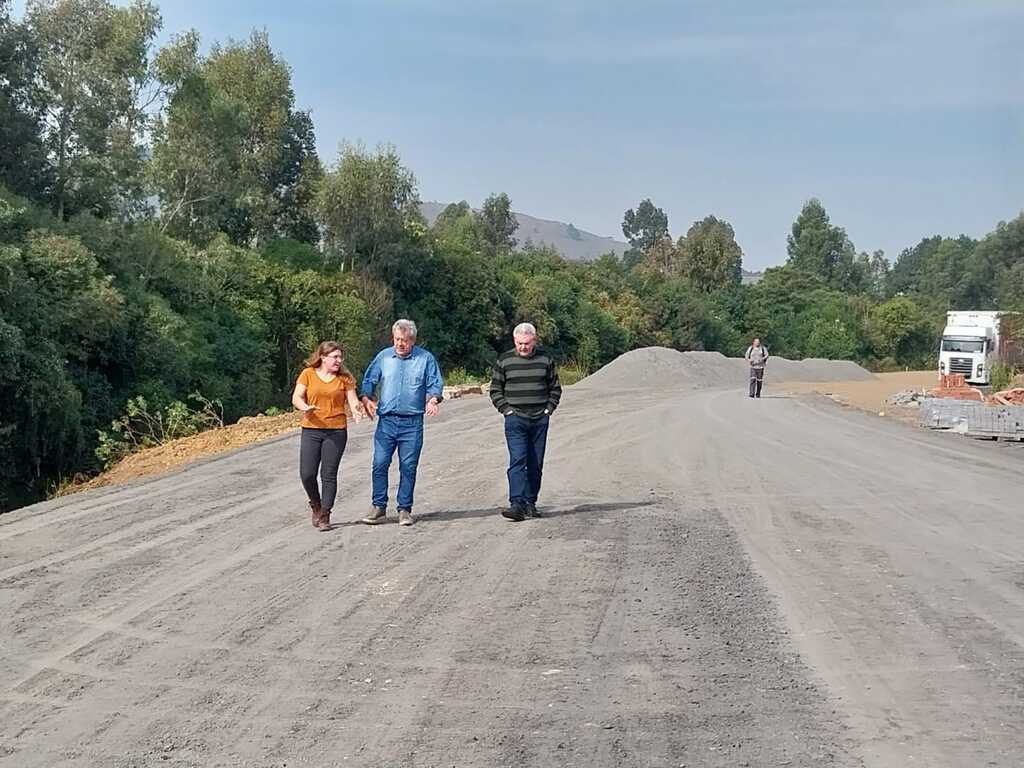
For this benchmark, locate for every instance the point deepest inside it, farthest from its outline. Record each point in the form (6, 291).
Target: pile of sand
(663, 368)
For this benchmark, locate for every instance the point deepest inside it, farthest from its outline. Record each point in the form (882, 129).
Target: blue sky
(905, 118)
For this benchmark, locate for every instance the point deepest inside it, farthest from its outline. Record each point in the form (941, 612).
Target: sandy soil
(718, 581)
(869, 395)
(176, 453)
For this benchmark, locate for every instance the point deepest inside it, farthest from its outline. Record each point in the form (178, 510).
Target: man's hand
(431, 407)
(369, 406)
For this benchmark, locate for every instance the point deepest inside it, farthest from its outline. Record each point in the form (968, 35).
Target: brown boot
(325, 520)
(317, 513)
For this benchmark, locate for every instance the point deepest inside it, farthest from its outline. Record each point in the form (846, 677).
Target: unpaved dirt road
(718, 581)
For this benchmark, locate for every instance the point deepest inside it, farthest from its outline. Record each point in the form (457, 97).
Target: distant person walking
(757, 356)
(410, 386)
(525, 390)
(321, 392)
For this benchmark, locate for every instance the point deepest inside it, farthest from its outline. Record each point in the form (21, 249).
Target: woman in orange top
(323, 388)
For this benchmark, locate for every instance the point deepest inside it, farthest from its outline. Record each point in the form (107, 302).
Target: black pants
(756, 380)
(321, 449)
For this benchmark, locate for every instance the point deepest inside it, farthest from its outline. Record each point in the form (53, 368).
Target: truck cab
(970, 344)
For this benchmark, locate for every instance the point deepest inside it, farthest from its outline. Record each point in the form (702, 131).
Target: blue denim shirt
(405, 382)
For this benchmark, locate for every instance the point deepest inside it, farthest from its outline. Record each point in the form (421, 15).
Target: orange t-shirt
(328, 397)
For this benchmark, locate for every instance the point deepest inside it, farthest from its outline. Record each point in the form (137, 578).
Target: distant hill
(574, 244)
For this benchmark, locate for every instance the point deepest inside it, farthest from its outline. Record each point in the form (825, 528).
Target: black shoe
(515, 513)
(531, 510)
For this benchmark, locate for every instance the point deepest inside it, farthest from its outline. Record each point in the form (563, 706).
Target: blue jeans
(526, 439)
(406, 434)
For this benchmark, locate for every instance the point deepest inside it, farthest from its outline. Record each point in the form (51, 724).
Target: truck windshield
(954, 344)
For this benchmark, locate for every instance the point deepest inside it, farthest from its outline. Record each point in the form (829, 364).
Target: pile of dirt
(664, 368)
(160, 458)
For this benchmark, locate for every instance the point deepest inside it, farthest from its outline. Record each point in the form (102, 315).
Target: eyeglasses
(334, 357)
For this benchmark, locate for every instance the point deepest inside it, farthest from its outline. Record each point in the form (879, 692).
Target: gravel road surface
(717, 581)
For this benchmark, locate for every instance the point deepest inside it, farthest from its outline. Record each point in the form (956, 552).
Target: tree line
(172, 245)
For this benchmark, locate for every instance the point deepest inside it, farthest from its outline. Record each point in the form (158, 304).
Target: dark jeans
(526, 439)
(321, 449)
(406, 434)
(756, 380)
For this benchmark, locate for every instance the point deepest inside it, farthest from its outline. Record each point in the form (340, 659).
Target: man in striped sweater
(525, 390)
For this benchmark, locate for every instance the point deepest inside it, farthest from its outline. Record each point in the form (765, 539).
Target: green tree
(952, 278)
(457, 225)
(231, 153)
(93, 72)
(60, 319)
(943, 273)
(497, 224)
(997, 268)
(833, 340)
(709, 256)
(662, 257)
(680, 316)
(905, 276)
(644, 226)
(817, 247)
(458, 307)
(900, 331)
(872, 273)
(450, 214)
(777, 301)
(367, 204)
(23, 166)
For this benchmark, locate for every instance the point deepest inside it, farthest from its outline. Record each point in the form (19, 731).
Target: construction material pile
(973, 418)
(906, 398)
(664, 368)
(1012, 396)
(953, 386)
(1000, 415)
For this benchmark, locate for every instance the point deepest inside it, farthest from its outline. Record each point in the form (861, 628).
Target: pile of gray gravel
(664, 368)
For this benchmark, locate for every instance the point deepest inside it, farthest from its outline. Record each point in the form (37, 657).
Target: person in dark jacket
(526, 391)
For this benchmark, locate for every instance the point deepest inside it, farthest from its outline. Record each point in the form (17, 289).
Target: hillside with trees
(172, 246)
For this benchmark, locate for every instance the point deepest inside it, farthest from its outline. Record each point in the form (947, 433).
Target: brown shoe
(405, 517)
(377, 515)
(325, 520)
(317, 513)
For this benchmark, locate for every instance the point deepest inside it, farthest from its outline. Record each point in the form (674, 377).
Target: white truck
(971, 343)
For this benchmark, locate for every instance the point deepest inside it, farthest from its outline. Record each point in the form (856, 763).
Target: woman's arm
(299, 399)
(353, 404)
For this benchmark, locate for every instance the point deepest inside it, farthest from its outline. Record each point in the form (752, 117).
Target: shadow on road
(555, 511)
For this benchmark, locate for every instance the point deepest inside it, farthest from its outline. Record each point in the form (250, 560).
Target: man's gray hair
(404, 328)
(525, 329)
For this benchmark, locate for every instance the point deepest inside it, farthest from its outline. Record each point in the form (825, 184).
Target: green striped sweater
(525, 385)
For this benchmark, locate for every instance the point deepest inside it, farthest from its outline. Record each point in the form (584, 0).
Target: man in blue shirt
(410, 386)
